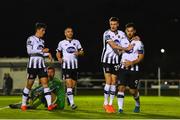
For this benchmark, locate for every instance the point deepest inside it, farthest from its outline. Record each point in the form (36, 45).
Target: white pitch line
(2, 108)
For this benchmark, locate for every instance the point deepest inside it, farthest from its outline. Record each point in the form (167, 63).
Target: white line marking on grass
(2, 108)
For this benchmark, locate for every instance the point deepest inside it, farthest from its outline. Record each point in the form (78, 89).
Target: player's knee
(133, 92)
(113, 82)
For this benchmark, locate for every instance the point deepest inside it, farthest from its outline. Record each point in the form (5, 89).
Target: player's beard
(50, 78)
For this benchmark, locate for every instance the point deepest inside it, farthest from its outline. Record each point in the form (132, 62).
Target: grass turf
(91, 107)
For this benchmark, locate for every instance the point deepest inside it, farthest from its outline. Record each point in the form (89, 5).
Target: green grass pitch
(91, 107)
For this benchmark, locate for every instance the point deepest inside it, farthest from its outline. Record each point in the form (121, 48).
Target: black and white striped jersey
(109, 55)
(35, 46)
(133, 55)
(68, 47)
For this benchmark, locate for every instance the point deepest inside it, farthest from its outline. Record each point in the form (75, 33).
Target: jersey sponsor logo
(70, 49)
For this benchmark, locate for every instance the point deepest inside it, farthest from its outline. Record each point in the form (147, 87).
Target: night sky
(157, 24)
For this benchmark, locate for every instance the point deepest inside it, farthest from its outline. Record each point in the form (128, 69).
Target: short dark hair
(130, 25)
(69, 27)
(40, 25)
(114, 19)
(51, 68)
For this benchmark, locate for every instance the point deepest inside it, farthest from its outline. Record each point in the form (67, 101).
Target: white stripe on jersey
(109, 55)
(70, 61)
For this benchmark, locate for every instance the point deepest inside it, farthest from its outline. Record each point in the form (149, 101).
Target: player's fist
(76, 53)
(60, 60)
(45, 50)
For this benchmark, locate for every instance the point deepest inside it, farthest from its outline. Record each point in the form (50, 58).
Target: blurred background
(157, 24)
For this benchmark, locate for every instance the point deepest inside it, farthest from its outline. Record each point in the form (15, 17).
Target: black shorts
(128, 78)
(70, 74)
(34, 72)
(110, 68)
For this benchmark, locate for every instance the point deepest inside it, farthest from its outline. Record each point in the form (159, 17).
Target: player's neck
(37, 35)
(115, 31)
(69, 39)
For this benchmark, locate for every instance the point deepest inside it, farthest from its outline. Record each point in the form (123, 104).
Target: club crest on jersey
(71, 49)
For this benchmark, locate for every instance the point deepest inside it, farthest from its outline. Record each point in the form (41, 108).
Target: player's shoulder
(76, 40)
(107, 32)
(31, 38)
(56, 80)
(62, 41)
(121, 32)
(138, 42)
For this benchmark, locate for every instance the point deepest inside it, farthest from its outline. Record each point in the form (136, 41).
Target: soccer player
(67, 54)
(36, 97)
(112, 40)
(36, 65)
(129, 68)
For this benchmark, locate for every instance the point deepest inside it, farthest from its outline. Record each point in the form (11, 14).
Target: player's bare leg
(112, 92)
(25, 95)
(107, 86)
(135, 94)
(47, 93)
(70, 85)
(120, 96)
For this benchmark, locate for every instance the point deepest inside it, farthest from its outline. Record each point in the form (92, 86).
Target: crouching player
(36, 97)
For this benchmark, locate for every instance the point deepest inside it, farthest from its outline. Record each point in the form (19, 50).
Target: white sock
(25, 96)
(120, 97)
(106, 93)
(112, 93)
(137, 100)
(70, 96)
(47, 94)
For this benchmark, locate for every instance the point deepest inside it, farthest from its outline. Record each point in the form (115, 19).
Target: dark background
(157, 24)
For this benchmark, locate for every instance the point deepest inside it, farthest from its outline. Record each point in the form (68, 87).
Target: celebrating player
(67, 54)
(36, 65)
(112, 40)
(129, 68)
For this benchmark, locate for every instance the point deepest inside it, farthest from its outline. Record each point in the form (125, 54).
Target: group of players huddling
(120, 57)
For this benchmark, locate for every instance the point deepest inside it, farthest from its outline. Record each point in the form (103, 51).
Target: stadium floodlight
(162, 50)
(159, 73)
